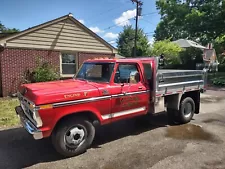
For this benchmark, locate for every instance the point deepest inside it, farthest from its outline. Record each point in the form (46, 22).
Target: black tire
(60, 136)
(186, 110)
(172, 116)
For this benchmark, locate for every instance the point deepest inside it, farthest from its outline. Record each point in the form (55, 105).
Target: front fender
(65, 111)
(61, 112)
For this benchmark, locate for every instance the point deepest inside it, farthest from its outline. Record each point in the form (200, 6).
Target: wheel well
(86, 114)
(195, 95)
(173, 101)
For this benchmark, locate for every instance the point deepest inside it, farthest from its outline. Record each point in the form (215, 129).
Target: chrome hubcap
(187, 109)
(74, 136)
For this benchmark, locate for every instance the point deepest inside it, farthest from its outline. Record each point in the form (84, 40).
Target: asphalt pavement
(132, 144)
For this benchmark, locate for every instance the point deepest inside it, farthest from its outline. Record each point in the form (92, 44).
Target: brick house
(63, 42)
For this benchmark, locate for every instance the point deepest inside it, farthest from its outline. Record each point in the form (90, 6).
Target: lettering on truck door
(129, 94)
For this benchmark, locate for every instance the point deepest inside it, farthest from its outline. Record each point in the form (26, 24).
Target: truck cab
(104, 91)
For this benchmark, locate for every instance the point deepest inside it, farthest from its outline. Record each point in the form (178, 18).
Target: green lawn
(8, 115)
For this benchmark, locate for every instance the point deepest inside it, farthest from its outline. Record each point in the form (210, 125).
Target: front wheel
(73, 136)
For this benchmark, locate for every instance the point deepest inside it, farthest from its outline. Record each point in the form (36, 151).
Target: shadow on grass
(19, 150)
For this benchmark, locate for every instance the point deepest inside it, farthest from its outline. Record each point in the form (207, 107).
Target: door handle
(139, 87)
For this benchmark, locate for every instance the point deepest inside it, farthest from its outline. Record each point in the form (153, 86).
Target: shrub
(169, 49)
(42, 73)
(45, 72)
(218, 82)
(221, 68)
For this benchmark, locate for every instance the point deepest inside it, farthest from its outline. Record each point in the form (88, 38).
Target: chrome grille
(25, 104)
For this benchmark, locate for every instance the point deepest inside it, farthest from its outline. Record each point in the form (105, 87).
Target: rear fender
(173, 101)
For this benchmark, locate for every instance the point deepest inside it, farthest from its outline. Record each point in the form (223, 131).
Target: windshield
(97, 72)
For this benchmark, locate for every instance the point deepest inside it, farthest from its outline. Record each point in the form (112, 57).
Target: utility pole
(138, 13)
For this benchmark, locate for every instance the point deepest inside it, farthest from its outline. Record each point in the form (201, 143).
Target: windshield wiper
(81, 79)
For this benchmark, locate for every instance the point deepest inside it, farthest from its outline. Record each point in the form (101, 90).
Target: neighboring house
(185, 43)
(63, 42)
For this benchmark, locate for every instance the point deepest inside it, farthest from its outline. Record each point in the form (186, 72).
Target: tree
(3, 29)
(198, 20)
(169, 49)
(125, 42)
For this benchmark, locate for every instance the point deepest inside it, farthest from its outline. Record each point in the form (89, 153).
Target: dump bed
(177, 81)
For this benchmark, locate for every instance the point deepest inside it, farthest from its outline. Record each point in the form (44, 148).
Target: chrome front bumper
(27, 124)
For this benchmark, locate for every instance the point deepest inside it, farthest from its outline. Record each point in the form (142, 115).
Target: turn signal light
(46, 106)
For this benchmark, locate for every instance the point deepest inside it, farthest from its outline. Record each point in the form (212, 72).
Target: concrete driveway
(132, 144)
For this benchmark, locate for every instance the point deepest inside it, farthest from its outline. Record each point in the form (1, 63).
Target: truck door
(130, 96)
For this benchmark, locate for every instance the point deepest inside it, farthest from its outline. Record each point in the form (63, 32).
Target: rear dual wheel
(184, 114)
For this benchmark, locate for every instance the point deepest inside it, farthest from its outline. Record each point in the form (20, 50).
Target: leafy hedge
(45, 72)
(221, 68)
(218, 82)
(42, 73)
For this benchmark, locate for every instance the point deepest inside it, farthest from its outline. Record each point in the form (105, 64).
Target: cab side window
(127, 73)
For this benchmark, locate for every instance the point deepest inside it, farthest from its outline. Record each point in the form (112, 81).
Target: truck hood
(59, 91)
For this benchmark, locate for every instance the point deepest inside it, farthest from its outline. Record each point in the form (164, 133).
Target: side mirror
(117, 77)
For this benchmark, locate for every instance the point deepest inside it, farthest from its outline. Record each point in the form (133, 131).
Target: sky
(104, 17)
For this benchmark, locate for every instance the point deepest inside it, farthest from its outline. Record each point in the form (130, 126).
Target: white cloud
(151, 40)
(96, 29)
(123, 20)
(81, 21)
(112, 42)
(111, 35)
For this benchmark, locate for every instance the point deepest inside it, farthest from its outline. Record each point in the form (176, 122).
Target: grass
(8, 115)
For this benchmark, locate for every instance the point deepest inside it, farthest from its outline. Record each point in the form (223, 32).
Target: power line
(147, 21)
(149, 34)
(98, 20)
(109, 27)
(118, 23)
(151, 13)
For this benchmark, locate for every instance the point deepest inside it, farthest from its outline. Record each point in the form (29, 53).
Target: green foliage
(219, 82)
(3, 29)
(125, 42)
(198, 20)
(169, 49)
(217, 79)
(219, 45)
(42, 73)
(221, 68)
(45, 72)
(190, 56)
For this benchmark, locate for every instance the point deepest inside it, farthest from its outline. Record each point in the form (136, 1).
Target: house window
(68, 64)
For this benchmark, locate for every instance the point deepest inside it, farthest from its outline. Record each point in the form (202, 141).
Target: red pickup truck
(104, 91)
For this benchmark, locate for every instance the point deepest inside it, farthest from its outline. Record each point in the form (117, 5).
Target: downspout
(2, 47)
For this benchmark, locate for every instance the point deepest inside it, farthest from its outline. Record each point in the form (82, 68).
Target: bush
(45, 72)
(190, 57)
(218, 82)
(169, 49)
(42, 73)
(221, 68)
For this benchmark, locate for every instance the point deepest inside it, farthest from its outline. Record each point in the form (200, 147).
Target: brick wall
(84, 56)
(14, 62)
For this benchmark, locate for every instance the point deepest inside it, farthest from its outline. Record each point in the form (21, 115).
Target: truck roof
(122, 60)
